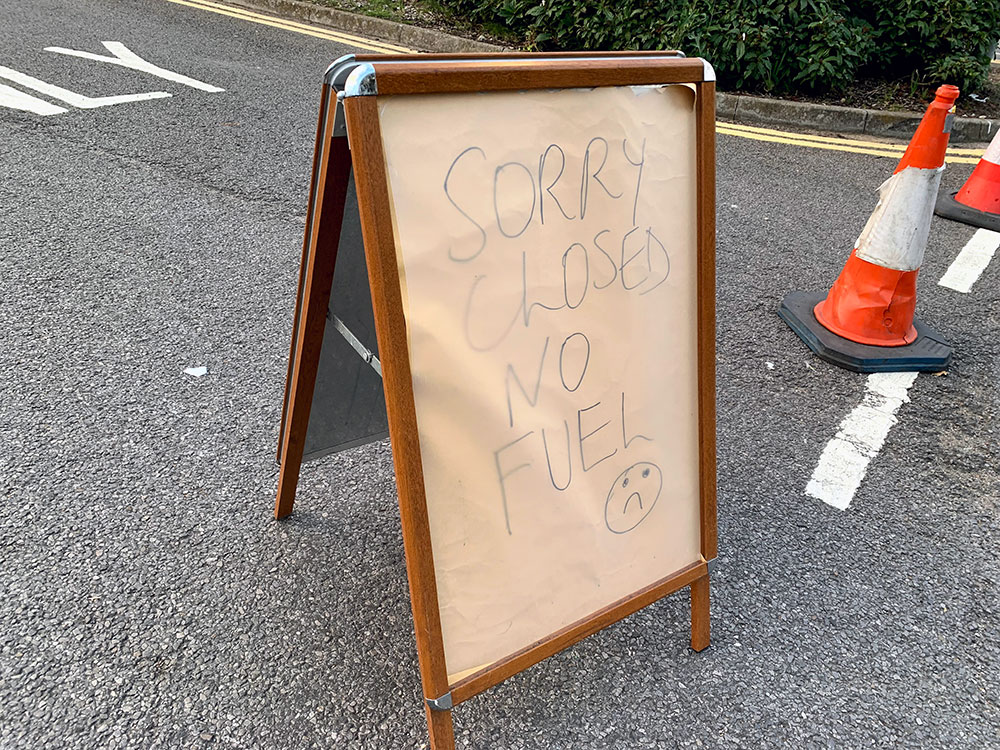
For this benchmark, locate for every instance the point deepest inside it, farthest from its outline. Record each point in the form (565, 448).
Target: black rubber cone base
(950, 208)
(929, 353)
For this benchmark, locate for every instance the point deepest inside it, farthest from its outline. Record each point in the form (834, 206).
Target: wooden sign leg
(700, 623)
(321, 134)
(323, 240)
(441, 729)
(701, 627)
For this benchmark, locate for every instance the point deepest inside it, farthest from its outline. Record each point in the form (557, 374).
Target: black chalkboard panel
(348, 406)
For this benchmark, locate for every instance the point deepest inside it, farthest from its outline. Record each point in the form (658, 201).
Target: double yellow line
(300, 28)
(873, 148)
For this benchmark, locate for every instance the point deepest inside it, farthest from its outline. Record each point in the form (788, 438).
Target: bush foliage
(773, 45)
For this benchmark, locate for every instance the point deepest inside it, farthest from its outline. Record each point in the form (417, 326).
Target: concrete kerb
(738, 108)
(756, 110)
(402, 34)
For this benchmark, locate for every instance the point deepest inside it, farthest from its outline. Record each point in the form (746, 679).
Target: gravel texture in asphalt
(147, 598)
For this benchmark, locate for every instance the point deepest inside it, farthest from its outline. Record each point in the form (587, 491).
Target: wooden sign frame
(324, 219)
(379, 77)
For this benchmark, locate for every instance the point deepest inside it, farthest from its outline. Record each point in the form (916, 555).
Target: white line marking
(860, 437)
(971, 261)
(14, 99)
(71, 97)
(128, 59)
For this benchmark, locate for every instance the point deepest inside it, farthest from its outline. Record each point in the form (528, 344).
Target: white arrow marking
(14, 99)
(128, 59)
(71, 97)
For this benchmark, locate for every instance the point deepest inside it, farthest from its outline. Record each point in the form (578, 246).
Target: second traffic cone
(866, 323)
(978, 202)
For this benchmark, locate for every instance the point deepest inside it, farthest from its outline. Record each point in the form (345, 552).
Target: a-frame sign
(539, 237)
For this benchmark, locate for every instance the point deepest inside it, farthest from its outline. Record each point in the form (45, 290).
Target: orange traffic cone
(866, 322)
(978, 202)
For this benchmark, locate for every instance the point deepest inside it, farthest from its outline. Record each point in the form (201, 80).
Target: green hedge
(770, 45)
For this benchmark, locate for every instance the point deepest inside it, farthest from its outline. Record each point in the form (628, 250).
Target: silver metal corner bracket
(336, 65)
(361, 81)
(441, 704)
(713, 565)
(336, 77)
(709, 70)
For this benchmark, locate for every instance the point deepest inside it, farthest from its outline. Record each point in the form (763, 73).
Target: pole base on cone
(929, 353)
(950, 208)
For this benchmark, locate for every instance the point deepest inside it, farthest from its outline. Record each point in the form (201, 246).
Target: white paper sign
(547, 249)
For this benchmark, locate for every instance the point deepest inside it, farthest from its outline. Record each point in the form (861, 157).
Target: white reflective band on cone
(896, 234)
(993, 150)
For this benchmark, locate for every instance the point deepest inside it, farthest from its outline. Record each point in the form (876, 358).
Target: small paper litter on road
(769, 365)
(196, 371)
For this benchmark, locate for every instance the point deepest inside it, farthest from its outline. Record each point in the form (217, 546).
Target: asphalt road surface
(148, 599)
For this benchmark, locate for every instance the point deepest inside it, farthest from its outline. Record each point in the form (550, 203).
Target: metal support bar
(360, 348)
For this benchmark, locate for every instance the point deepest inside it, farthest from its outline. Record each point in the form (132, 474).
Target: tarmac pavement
(150, 601)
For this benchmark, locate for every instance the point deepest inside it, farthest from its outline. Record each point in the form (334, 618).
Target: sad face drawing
(632, 497)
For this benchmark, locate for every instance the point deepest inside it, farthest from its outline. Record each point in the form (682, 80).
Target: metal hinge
(441, 704)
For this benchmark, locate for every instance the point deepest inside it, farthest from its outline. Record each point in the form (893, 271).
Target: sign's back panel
(348, 407)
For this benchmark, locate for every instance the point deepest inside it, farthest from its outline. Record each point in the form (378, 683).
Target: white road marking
(125, 57)
(971, 261)
(845, 458)
(14, 99)
(71, 97)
